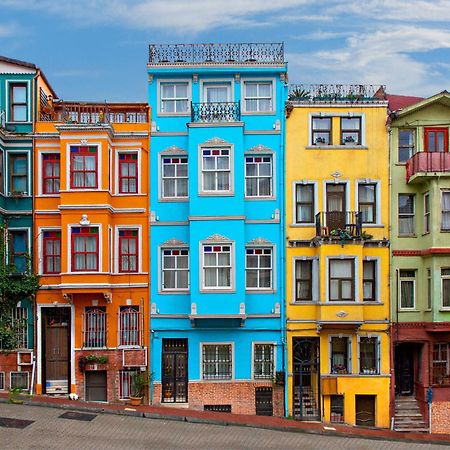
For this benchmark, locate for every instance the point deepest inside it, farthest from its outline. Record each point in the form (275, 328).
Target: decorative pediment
(215, 142)
(217, 238)
(174, 243)
(259, 149)
(259, 241)
(342, 314)
(174, 150)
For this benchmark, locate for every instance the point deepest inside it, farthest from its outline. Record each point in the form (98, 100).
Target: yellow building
(337, 227)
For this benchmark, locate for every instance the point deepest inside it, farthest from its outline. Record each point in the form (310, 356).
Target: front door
(56, 344)
(175, 371)
(404, 370)
(335, 206)
(96, 385)
(306, 399)
(365, 410)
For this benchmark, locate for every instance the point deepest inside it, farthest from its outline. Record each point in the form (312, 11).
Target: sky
(97, 50)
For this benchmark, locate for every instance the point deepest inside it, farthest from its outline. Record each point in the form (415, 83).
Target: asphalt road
(107, 431)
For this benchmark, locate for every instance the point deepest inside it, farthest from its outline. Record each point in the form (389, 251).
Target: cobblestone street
(49, 430)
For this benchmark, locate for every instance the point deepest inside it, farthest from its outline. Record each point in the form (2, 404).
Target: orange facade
(91, 231)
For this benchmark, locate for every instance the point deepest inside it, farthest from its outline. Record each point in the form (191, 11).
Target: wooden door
(335, 206)
(96, 386)
(365, 410)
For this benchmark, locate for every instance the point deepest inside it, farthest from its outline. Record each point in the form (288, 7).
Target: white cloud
(7, 30)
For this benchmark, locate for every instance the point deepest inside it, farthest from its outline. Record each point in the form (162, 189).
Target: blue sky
(97, 49)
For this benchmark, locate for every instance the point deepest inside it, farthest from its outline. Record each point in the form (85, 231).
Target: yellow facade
(337, 323)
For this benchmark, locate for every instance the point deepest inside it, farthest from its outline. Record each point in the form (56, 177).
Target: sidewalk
(271, 423)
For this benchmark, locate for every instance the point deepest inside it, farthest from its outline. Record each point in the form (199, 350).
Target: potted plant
(139, 384)
(15, 397)
(280, 377)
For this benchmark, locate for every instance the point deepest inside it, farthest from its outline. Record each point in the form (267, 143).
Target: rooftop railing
(337, 92)
(161, 54)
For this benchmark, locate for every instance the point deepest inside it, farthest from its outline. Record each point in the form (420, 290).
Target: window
(336, 408)
(341, 279)
(406, 215)
(258, 176)
(340, 355)
(94, 327)
(369, 355)
(367, 206)
(84, 249)
(125, 383)
(174, 97)
(436, 139)
(407, 289)
(369, 281)
(2, 381)
(351, 130)
(440, 363)
(258, 96)
(83, 167)
(405, 145)
(18, 178)
(321, 131)
(216, 174)
(258, 268)
(217, 362)
(263, 361)
(304, 201)
(216, 93)
(445, 276)
(18, 249)
(18, 102)
(217, 266)
(303, 280)
(50, 173)
(129, 326)
(429, 289)
(1, 173)
(174, 177)
(426, 213)
(19, 380)
(52, 251)
(20, 320)
(128, 250)
(128, 173)
(445, 221)
(175, 269)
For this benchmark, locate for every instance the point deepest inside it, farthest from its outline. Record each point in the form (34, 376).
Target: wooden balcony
(424, 165)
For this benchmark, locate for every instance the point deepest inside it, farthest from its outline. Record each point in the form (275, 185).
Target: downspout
(149, 302)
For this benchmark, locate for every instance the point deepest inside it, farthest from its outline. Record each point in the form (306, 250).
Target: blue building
(217, 234)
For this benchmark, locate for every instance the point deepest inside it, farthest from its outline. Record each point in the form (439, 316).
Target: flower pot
(135, 401)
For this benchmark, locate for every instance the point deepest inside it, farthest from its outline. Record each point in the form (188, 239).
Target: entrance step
(408, 416)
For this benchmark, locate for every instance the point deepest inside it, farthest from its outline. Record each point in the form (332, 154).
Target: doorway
(404, 369)
(365, 410)
(56, 346)
(175, 371)
(96, 385)
(336, 206)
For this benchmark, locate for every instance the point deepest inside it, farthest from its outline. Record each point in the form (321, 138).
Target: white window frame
(258, 176)
(356, 282)
(100, 247)
(21, 373)
(186, 81)
(128, 374)
(202, 344)
(377, 261)
(136, 310)
(216, 82)
(28, 240)
(244, 82)
(68, 168)
(406, 279)
(8, 104)
(444, 192)
(161, 178)
(230, 288)
(377, 218)
(377, 353)
(294, 222)
(117, 228)
(274, 360)
(117, 154)
(7, 171)
(227, 192)
(161, 287)
(444, 277)
(315, 279)
(271, 288)
(426, 214)
(349, 353)
(413, 215)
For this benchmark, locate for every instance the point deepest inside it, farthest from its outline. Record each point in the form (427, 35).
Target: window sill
(174, 291)
(261, 198)
(304, 302)
(217, 290)
(216, 194)
(445, 231)
(180, 114)
(49, 195)
(260, 291)
(173, 199)
(342, 302)
(372, 302)
(409, 310)
(336, 147)
(303, 225)
(129, 194)
(373, 225)
(129, 347)
(444, 309)
(400, 236)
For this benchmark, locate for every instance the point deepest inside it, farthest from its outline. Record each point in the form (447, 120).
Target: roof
(397, 102)
(17, 62)
(442, 98)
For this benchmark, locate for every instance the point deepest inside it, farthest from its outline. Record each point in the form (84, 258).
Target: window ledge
(304, 302)
(217, 291)
(174, 291)
(180, 114)
(444, 309)
(373, 225)
(400, 236)
(131, 194)
(303, 225)
(261, 198)
(336, 147)
(409, 310)
(260, 291)
(216, 194)
(445, 231)
(341, 302)
(370, 302)
(173, 199)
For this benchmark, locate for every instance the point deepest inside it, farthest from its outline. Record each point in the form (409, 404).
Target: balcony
(215, 112)
(423, 165)
(182, 54)
(341, 225)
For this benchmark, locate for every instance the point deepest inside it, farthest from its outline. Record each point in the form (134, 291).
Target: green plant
(366, 236)
(14, 396)
(297, 94)
(139, 383)
(91, 359)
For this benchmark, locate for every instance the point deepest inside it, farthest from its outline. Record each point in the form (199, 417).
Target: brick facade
(240, 395)
(8, 364)
(440, 422)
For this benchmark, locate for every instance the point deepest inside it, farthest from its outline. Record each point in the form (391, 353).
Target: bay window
(83, 167)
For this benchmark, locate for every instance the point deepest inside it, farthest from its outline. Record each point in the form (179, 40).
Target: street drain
(7, 422)
(78, 416)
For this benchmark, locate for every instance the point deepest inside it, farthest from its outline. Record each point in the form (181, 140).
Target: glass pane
(19, 94)
(223, 162)
(251, 169)
(252, 278)
(265, 90)
(223, 181)
(264, 186)
(181, 90)
(250, 89)
(20, 113)
(264, 105)
(169, 262)
(341, 269)
(169, 279)
(347, 290)
(168, 91)
(168, 170)
(366, 193)
(321, 123)
(406, 203)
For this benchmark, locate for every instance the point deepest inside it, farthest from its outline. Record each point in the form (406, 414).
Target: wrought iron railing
(337, 92)
(341, 224)
(215, 112)
(427, 162)
(216, 53)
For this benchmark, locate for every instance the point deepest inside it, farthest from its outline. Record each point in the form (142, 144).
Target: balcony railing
(215, 112)
(164, 54)
(364, 93)
(339, 224)
(427, 163)
(2, 118)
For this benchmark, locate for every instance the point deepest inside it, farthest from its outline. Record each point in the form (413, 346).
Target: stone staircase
(407, 415)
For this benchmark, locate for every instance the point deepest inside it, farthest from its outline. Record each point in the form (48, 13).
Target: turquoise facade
(217, 234)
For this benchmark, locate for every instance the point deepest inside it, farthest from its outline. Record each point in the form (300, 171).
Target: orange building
(91, 232)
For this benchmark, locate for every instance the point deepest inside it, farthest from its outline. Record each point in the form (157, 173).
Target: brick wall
(440, 413)
(240, 395)
(8, 363)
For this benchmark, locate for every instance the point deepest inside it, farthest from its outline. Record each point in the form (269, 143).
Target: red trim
(127, 162)
(125, 237)
(83, 151)
(84, 233)
(436, 130)
(53, 237)
(52, 160)
(426, 252)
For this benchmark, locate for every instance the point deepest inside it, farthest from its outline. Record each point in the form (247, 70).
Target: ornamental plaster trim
(215, 141)
(260, 149)
(259, 241)
(174, 150)
(217, 238)
(174, 243)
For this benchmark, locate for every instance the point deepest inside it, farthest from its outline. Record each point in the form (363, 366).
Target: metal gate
(306, 401)
(263, 401)
(175, 371)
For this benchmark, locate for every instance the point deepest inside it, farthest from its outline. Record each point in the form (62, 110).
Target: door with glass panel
(336, 216)
(216, 103)
(175, 371)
